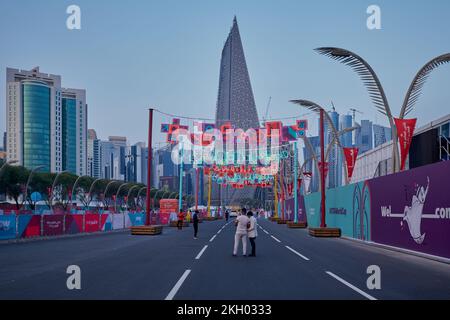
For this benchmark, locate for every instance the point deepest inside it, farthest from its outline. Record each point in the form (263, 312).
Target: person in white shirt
(242, 223)
(252, 232)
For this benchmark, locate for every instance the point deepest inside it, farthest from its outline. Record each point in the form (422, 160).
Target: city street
(290, 265)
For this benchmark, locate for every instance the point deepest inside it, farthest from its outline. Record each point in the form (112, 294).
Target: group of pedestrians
(246, 227)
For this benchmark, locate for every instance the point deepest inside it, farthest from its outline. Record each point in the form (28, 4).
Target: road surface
(290, 265)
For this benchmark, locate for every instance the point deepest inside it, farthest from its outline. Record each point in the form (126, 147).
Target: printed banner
(405, 131)
(29, 225)
(53, 225)
(74, 223)
(118, 221)
(91, 223)
(411, 209)
(7, 227)
(137, 219)
(351, 154)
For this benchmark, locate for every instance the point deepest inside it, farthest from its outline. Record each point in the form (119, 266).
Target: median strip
(276, 239)
(178, 285)
(366, 295)
(201, 252)
(297, 253)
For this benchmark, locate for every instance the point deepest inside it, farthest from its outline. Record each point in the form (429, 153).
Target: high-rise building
(4, 141)
(235, 101)
(93, 155)
(381, 135)
(133, 163)
(364, 136)
(74, 131)
(46, 124)
(113, 158)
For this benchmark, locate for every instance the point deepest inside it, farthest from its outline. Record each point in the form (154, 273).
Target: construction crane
(267, 110)
(354, 111)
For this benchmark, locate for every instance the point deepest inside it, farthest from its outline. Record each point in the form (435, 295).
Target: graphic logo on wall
(361, 209)
(413, 214)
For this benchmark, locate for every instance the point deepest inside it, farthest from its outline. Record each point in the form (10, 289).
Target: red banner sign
(351, 154)
(405, 131)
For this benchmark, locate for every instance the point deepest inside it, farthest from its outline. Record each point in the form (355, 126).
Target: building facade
(46, 124)
(235, 102)
(93, 155)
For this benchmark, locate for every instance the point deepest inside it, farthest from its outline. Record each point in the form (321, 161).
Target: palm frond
(415, 89)
(366, 73)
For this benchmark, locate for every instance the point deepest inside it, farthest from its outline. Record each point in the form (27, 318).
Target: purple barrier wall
(411, 209)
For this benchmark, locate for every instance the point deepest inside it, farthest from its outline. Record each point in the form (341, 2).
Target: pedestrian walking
(195, 222)
(180, 220)
(242, 224)
(252, 233)
(227, 214)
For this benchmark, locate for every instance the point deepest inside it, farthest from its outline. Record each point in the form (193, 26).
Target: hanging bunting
(405, 132)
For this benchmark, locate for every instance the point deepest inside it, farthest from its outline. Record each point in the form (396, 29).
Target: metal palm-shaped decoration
(373, 85)
(365, 71)
(415, 89)
(335, 135)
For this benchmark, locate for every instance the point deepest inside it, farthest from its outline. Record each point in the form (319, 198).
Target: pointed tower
(235, 101)
(235, 104)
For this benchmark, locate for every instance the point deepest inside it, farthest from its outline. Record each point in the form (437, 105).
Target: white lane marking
(201, 252)
(265, 231)
(178, 285)
(368, 296)
(212, 239)
(297, 253)
(276, 239)
(219, 231)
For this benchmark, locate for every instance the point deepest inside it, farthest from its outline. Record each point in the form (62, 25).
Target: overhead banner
(405, 131)
(351, 154)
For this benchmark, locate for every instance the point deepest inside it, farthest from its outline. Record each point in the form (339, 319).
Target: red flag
(405, 131)
(351, 154)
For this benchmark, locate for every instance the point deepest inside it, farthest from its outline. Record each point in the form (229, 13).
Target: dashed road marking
(368, 296)
(297, 253)
(178, 285)
(201, 252)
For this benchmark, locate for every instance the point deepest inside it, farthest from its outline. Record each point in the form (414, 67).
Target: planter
(298, 225)
(146, 230)
(281, 221)
(174, 224)
(274, 219)
(209, 218)
(325, 232)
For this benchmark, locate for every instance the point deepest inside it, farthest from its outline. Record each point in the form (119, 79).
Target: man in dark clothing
(227, 214)
(195, 222)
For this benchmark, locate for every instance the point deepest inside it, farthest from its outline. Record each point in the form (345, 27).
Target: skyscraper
(235, 101)
(381, 135)
(364, 136)
(93, 155)
(46, 124)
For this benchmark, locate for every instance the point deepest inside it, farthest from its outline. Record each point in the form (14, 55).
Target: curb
(401, 250)
(65, 236)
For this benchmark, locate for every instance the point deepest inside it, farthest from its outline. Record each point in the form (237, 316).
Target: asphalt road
(290, 265)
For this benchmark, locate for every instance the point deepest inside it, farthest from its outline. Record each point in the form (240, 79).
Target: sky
(132, 55)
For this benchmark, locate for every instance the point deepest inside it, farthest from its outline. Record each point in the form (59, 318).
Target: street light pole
(117, 195)
(29, 181)
(149, 166)
(322, 168)
(53, 187)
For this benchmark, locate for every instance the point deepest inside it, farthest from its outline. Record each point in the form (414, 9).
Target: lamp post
(139, 192)
(75, 186)
(107, 187)
(154, 198)
(129, 193)
(29, 180)
(149, 166)
(92, 188)
(53, 187)
(117, 195)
